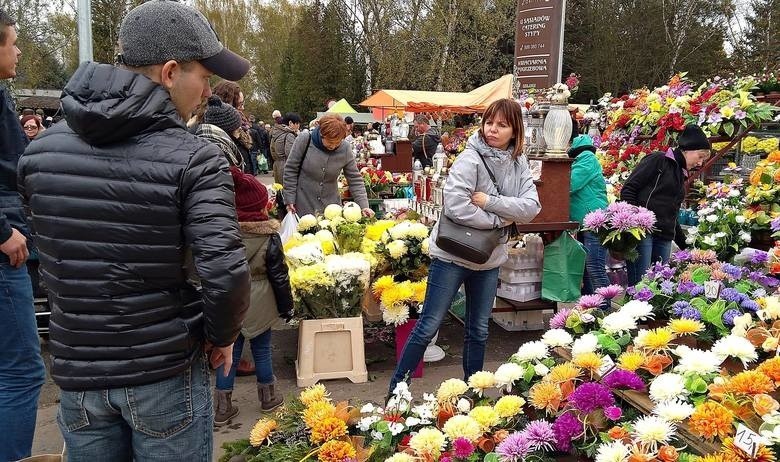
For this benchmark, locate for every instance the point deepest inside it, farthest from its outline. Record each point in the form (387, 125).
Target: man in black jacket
(120, 196)
(21, 367)
(658, 184)
(424, 146)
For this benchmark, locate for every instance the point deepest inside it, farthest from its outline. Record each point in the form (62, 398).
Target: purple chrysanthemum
(696, 290)
(729, 315)
(566, 427)
(681, 256)
(770, 282)
(756, 276)
(623, 380)
(619, 207)
(733, 271)
(644, 219)
(677, 307)
(613, 413)
(514, 448)
(610, 292)
(541, 435)
(622, 220)
(644, 294)
(749, 305)
(667, 287)
(630, 291)
(595, 219)
(590, 301)
(690, 313)
(445, 459)
(759, 257)
(685, 287)
(591, 396)
(775, 224)
(731, 294)
(462, 448)
(558, 321)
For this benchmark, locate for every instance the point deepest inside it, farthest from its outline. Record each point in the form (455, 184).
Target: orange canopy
(476, 100)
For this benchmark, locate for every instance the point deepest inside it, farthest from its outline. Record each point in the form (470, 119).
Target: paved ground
(380, 357)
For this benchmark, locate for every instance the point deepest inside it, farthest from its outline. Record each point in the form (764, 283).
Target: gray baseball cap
(161, 30)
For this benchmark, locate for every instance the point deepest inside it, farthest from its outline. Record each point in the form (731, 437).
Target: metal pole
(85, 30)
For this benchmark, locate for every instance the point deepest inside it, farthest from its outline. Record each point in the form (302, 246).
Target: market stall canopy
(344, 109)
(476, 100)
(341, 107)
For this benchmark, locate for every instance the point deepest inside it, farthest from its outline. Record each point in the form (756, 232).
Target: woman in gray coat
(313, 167)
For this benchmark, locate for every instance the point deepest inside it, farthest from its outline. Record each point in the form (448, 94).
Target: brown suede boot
(266, 393)
(224, 410)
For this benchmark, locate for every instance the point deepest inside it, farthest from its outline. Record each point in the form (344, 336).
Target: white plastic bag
(289, 227)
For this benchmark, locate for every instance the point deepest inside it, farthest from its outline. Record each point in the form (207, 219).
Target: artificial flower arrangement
(558, 93)
(620, 227)
(764, 187)
(756, 145)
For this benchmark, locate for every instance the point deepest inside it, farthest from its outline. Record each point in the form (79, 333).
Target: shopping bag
(289, 227)
(262, 163)
(564, 264)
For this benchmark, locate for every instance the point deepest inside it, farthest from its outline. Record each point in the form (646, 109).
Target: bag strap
(490, 172)
(425, 153)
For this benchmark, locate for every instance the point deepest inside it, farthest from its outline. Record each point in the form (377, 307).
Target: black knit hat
(222, 115)
(693, 138)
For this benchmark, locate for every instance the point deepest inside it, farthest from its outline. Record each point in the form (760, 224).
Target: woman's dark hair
(229, 92)
(6, 21)
(291, 117)
(511, 112)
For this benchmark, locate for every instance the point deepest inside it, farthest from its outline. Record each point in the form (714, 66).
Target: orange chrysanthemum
(710, 420)
(589, 361)
(563, 373)
(749, 383)
(731, 453)
(328, 429)
(545, 395)
(317, 412)
(771, 368)
(336, 451)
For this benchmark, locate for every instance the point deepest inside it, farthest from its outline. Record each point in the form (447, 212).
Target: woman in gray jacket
(472, 200)
(313, 167)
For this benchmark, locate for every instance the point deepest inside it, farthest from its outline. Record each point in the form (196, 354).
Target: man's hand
(222, 356)
(479, 199)
(16, 248)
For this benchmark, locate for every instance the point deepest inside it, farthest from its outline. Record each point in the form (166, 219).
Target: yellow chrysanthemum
(509, 406)
(686, 326)
(374, 231)
(428, 441)
(481, 381)
(313, 394)
(319, 410)
(710, 458)
(462, 426)
(751, 382)
(631, 360)
(485, 416)
(398, 293)
(451, 389)
(329, 428)
(589, 361)
(381, 284)
(261, 431)
(545, 395)
(336, 451)
(419, 290)
(563, 373)
(655, 339)
(731, 453)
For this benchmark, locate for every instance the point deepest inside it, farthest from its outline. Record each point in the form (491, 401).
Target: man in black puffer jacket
(119, 196)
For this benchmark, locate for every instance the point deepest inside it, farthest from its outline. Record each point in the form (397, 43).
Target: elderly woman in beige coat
(313, 168)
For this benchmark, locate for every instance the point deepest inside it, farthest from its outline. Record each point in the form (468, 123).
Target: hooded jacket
(588, 190)
(518, 201)
(118, 195)
(282, 139)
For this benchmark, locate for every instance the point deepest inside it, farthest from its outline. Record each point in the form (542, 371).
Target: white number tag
(606, 365)
(711, 289)
(747, 440)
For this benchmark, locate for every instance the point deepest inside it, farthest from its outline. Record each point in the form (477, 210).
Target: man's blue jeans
(21, 367)
(261, 352)
(651, 249)
(595, 263)
(167, 420)
(444, 280)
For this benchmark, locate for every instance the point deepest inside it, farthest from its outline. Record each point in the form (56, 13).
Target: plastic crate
(523, 260)
(523, 320)
(514, 276)
(519, 292)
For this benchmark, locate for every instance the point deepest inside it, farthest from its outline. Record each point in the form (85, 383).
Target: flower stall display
(722, 223)
(620, 227)
(404, 249)
(763, 192)
(753, 145)
(399, 300)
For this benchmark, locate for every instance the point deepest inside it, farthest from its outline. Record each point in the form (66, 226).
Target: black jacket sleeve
(211, 230)
(279, 278)
(640, 178)
(679, 237)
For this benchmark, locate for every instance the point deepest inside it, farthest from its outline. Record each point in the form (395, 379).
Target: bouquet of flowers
(723, 226)
(755, 145)
(376, 180)
(764, 188)
(559, 93)
(400, 300)
(339, 229)
(404, 250)
(620, 227)
(331, 288)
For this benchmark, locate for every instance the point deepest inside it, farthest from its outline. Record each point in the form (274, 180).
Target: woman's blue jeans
(651, 249)
(444, 280)
(595, 263)
(261, 352)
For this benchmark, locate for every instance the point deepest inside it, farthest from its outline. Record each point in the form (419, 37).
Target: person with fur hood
(270, 299)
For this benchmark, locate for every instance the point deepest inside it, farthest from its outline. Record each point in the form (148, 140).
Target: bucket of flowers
(620, 227)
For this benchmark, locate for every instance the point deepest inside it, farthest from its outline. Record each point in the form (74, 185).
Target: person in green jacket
(588, 193)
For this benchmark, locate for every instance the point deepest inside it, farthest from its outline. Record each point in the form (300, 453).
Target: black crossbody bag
(471, 244)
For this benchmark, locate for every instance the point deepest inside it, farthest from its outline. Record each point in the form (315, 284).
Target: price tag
(711, 289)
(747, 440)
(606, 365)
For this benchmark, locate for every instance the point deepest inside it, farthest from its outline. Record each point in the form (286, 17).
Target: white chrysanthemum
(541, 370)
(428, 441)
(693, 361)
(653, 430)
(618, 322)
(324, 235)
(674, 410)
(401, 230)
(530, 351)
(332, 211)
(351, 212)
(667, 386)
(585, 344)
(305, 254)
(397, 249)
(638, 309)
(736, 347)
(307, 222)
(396, 314)
(400, 457)
(418, 230)
(614, 451)
(557, 338)
(425, 246)
(508, 373)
